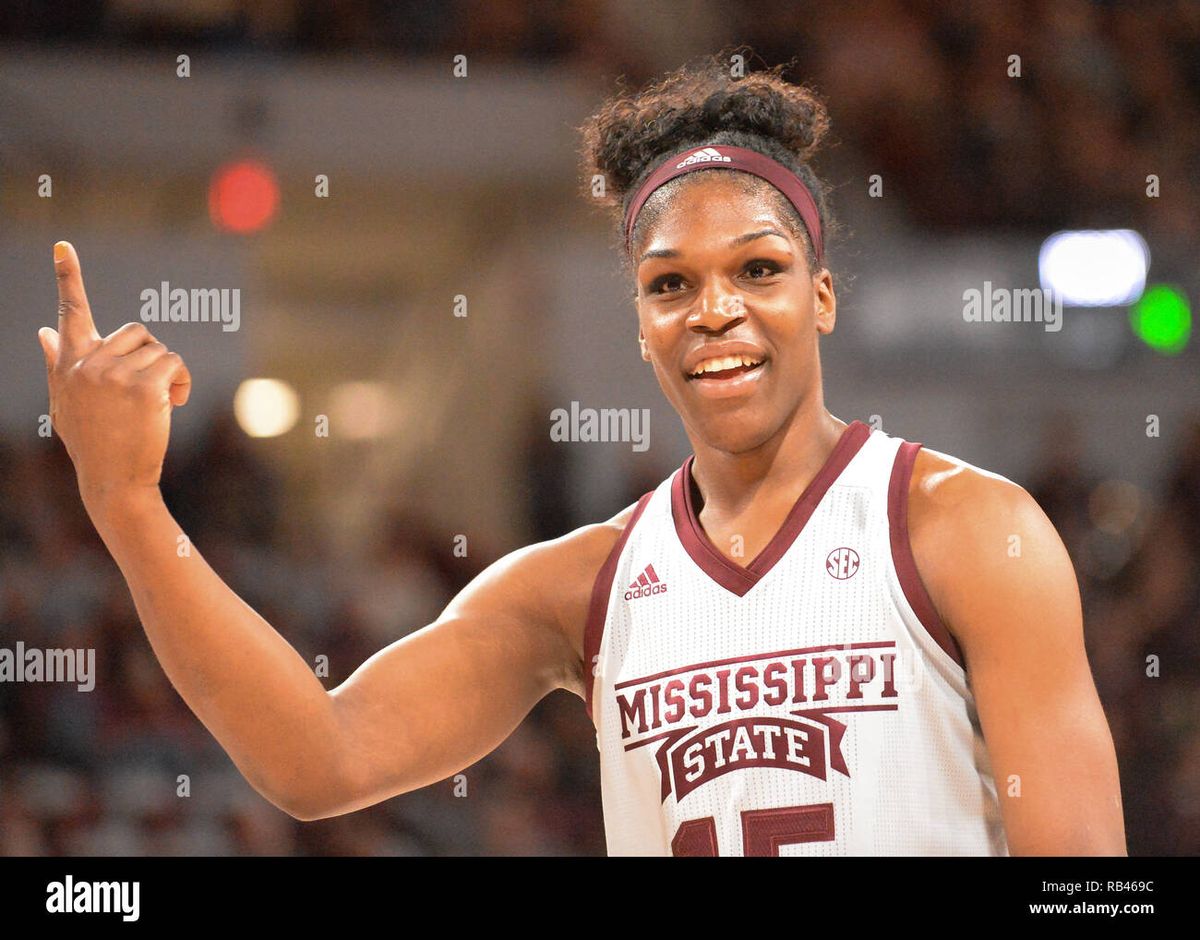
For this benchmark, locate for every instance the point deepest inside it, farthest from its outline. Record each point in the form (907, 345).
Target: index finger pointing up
(75, 326)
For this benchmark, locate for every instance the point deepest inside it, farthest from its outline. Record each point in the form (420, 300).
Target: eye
(762, 264)
(659, 284)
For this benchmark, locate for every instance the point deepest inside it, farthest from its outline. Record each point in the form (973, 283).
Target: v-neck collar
(727, 573)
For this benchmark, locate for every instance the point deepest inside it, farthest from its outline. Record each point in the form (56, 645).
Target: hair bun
(702, 104)
(632, 130)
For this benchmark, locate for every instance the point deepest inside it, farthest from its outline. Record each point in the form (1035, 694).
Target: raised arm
(423, 708)
(1003, 583)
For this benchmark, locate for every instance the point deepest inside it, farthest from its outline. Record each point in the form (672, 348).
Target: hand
(110, 398)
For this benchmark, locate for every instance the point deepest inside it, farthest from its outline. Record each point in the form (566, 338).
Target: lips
(721, 354)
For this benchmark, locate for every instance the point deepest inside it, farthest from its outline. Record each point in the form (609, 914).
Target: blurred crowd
(127, 769)
(1037, 113)
(1136, 550)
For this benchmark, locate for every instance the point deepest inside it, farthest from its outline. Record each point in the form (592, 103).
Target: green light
(1162, 319)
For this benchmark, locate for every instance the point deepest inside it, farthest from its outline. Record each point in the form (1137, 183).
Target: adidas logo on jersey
(706, 155)
(645, 584)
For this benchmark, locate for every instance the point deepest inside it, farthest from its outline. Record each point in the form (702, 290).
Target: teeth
(725, 362)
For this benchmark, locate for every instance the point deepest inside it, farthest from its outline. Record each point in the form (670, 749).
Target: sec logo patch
(842, 563)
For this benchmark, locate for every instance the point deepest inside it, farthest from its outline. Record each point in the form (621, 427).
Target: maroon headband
(725, 157)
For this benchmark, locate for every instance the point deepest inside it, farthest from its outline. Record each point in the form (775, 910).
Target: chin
(735, 432)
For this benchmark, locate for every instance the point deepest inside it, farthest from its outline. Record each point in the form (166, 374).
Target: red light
(243, 197)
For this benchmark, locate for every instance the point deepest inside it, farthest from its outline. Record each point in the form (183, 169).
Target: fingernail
(60, 251)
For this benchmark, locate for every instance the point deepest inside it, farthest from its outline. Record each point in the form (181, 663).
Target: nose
(716, 307)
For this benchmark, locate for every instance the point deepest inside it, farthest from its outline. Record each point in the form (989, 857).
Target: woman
(886, 675)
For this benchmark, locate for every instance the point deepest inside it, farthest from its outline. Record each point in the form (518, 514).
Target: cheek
(784, 329)
(789, 317)
(658, 337)
(660, 344)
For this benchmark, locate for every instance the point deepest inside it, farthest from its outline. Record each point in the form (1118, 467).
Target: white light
(362, 410)
(266, 407)
(1095, 268)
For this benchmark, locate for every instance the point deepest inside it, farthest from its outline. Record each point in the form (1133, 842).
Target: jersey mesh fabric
(916, 779)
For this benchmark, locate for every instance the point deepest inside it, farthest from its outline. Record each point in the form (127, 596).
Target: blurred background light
(1162, 319)
(266, 407)
(1094, 268)
(361, 410)
(243, 197)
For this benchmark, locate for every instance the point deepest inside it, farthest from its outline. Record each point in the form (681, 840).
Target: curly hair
(701, 104)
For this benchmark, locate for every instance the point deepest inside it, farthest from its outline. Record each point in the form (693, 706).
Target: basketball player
(813, 638)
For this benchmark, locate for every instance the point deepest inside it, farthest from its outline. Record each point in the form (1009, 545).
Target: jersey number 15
(763, 830)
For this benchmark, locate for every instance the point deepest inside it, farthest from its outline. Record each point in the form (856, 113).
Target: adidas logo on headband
(734, 158)
(706, 155)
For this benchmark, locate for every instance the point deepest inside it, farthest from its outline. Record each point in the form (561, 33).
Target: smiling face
(729, 313)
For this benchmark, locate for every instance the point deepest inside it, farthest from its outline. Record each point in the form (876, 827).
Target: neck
(783, 465)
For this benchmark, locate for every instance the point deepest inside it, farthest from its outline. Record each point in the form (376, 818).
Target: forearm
(245, 683)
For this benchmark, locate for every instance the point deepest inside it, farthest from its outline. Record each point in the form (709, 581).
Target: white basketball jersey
(810, 702)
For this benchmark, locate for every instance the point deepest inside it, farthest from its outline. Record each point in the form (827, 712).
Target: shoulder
(570, 563)
(546, 587)
(947, 492)
(984, 548)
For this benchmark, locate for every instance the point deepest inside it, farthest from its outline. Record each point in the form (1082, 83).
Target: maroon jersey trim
(593, 631)
(902, 556)
(727, 573)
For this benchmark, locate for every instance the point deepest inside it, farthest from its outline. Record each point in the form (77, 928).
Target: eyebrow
(733, 243)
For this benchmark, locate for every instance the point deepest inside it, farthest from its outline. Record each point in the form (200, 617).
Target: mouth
(726, 375)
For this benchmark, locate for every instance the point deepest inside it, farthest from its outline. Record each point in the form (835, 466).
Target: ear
(642, 345)
(824, 301)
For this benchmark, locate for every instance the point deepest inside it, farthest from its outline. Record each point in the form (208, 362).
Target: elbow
(306, 803)
(318, 800)
(305, 810)
(332, 802)
(305, 815)
(304, 795)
